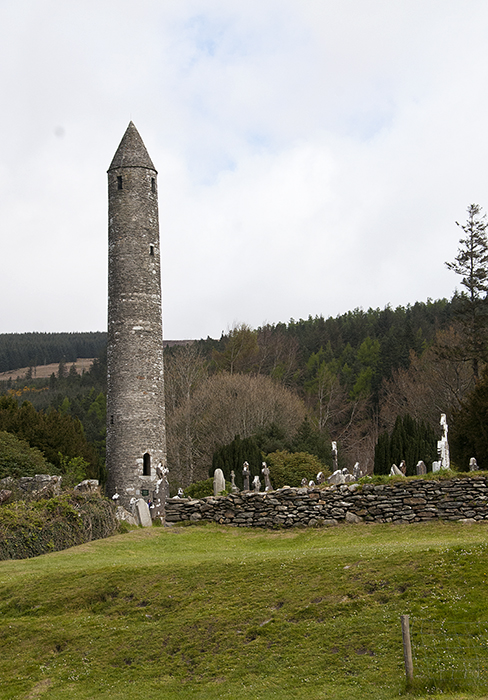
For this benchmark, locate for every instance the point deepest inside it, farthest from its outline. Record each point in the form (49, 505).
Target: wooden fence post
(407, 647)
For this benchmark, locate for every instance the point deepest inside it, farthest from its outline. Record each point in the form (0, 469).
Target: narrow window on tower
(151, 250)
(146, 465)
(153, 184)
(111, 420)
(119, 182)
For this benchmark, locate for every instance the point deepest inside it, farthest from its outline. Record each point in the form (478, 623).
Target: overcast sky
(313, 155)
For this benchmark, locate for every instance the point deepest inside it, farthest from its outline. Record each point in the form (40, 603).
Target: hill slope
(210, 612)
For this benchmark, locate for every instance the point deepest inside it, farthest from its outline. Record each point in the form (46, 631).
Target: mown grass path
(212, 612)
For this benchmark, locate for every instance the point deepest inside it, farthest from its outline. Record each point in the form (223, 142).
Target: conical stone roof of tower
(131, 152)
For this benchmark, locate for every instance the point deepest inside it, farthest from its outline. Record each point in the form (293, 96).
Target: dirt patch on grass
(39, 689)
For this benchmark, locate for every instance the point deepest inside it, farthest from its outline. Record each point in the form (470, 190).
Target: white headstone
(142, 513)
(443, 445)
(218, 482)
(394, 471)
(473, 465)
(336, 478)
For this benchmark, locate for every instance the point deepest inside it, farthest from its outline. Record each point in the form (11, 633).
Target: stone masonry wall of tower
(136, 441)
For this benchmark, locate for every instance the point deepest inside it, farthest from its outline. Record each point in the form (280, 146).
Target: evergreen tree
(471, 263)
(468, 433)
(410, 440)
(231, 457)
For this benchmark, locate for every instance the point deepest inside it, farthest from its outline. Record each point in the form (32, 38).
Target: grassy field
(209, 612)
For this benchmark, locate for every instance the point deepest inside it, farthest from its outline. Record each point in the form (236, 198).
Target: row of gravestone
(405, 501)
(338, 477)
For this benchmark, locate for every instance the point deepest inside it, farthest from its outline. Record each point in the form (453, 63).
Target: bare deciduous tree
(223, 406)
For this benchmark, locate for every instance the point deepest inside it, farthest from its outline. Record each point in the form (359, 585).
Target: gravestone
(443, 445)
(334, 456)
(436, 466)
(123, 515)
(246, 473)
(421, 468)
(336, 478)
(320, 478)
(267, 480)
(218, 482)
(394, 471)
(473, 465)
(142, 513)
(256, 484)
(233, 487)
(303, 482)
(356, 471)
(403, 467)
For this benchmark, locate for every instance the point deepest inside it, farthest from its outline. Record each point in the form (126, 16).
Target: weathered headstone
(256, 484)
(160, 493)
(394, 471)
(403, 467)
(141, 513)
(246, 473)
(356, 471)
(267, 480)
(320, 478)
(123, 514)
(473, 465)
(218, 482)
(303, 482)
(233, 487)
(443, 445)
(336, 478)
(436, 466)
(421, 468)
(334, 456)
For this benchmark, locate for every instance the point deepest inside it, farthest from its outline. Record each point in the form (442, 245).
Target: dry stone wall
(415, 500)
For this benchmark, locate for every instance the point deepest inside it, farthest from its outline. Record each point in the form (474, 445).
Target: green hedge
(28, 529)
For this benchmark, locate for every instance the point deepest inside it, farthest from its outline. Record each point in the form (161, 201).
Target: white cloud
(313, 156)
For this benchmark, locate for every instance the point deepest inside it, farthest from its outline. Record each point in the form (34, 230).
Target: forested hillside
(326, 370)
(375, 382)
(33, 349)
(346, 373)
(290, 387)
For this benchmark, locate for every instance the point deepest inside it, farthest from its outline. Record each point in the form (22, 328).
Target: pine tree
(471, 263)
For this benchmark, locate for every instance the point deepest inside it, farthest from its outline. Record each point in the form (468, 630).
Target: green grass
(209, 612)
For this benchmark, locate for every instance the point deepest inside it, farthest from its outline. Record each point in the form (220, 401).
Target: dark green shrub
(18, 458)
(200, 489)
(289, 468)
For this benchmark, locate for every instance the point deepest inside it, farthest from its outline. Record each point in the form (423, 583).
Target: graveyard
(211, 611)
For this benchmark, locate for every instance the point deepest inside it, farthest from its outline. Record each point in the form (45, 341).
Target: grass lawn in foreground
(212, 612)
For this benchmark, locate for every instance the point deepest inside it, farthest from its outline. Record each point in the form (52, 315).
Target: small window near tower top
(111, 420)
(153, 184)
(119, 182)
(151, 250)
(146, 465)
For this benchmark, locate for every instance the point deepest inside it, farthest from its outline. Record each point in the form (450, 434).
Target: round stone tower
(136, 439)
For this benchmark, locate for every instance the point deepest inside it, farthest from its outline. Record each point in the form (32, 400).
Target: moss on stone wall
(28, 529)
